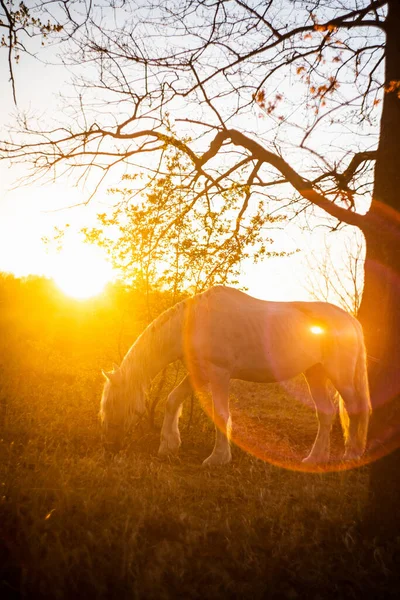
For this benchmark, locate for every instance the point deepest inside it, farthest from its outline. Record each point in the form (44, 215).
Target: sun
(81, 271)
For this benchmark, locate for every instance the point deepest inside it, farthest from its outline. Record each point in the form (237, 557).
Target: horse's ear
(113, 376)
(105, 375)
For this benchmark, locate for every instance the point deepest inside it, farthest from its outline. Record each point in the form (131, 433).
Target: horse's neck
(161, 345)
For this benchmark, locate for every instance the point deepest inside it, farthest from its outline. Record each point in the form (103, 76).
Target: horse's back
(254, 339)
(261, 340)
(231, 302)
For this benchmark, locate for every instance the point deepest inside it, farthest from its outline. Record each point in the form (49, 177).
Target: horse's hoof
(352, 456)
(169, 449)
(310, 460)
(166, 453)
(168, 458)
(216, 461)
(313, 460)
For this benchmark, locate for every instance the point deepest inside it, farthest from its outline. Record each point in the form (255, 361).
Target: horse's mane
(138, 360)
(166, 316)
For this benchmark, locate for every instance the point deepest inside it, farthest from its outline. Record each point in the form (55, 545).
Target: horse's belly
(254, 374)
(268, 369)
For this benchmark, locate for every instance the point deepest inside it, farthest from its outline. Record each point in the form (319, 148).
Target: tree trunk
(380, 307)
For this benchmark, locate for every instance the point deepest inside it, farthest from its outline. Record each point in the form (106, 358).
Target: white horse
(224, 334)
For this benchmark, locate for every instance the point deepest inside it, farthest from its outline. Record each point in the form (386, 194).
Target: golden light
(81, 271)
(316, 330)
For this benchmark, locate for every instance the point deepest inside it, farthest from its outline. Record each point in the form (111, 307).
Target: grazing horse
(224, 334)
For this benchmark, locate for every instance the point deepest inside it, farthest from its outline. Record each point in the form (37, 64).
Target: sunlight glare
(316, 329)
(81, 271)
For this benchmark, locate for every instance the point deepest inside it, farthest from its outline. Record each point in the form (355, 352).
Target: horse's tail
(361, 408)
(362, 389)
(344, 417)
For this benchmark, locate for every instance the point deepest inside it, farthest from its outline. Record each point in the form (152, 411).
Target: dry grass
(75, 523)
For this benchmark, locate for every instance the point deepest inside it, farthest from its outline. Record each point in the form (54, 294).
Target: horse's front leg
(219, 382)
(170, 437)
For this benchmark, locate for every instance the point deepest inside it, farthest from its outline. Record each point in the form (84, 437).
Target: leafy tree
(281, 95)
(168, 237)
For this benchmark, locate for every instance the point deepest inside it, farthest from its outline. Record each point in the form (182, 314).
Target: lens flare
(276, 435)
(316, 330)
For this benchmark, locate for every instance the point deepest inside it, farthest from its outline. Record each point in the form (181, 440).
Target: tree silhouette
(21, 23)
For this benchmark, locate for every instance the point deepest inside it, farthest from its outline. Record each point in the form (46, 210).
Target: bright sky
(28, 213)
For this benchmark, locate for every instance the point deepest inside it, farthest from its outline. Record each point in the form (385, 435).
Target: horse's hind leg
(357, 409)
(170, 436)
(219, 382)
(318, 384)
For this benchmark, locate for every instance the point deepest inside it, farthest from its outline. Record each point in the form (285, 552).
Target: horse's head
(122, 403)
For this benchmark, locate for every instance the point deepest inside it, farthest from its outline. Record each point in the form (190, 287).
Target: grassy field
(76, 523)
